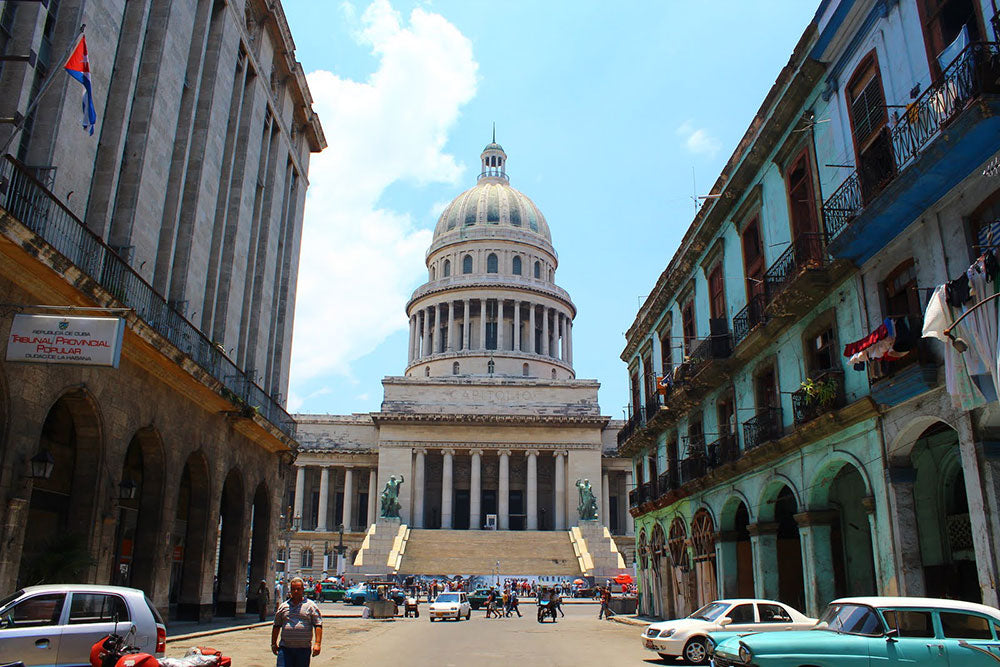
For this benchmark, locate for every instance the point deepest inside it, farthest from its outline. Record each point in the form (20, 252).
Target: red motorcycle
(115, 651)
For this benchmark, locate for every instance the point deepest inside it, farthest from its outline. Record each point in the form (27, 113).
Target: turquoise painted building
(792, 434)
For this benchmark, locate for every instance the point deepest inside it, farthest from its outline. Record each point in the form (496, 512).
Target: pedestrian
(277, 594)
(299, 624)
(557, 602)
(605, 603)
(491, 603)
(262, 599)
(513, 606)
(506, 602)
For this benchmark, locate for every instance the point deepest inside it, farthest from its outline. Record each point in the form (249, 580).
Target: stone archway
(779, 545)
(139, 516)
(661, 571)
(230, 573)
(851, 547)
(260, 531)
(646, 595)
(736, 549)
(62, 510)
(703, 542)
(680, 558)
(189, 541)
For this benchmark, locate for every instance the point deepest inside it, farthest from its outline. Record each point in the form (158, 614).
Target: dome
(492, 202)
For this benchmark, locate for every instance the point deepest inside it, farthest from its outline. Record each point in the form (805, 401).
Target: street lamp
(286, 530)
(42, 464)
(127, 489)
(957, 342)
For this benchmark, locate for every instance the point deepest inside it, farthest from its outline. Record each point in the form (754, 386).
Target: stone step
(540, 553)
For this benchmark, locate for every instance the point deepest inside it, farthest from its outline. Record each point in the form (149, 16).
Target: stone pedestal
(603, 551)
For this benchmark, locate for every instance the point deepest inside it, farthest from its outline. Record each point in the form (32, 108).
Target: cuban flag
(78, 67)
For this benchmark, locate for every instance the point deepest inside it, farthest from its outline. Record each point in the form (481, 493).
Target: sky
(613, 115)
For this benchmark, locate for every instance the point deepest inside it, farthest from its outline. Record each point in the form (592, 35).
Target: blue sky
(608, 112)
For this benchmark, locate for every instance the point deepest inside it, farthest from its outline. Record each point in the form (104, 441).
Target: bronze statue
(588, 503)
(390, 498)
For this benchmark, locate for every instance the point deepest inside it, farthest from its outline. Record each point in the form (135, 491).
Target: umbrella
(579, 582)
(623, 579)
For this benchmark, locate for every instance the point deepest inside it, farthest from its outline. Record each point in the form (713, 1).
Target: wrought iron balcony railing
(693, 467)
(667, 481)
(762, 427)
(975, 71)
(29, 201)
(626, 431)
(653, 404)
(716, 346)
(819, 395)
(752, 316)
(633, 498)
(724, 450)
(808, 251)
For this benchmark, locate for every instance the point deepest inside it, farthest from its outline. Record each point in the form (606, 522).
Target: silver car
(57, 624)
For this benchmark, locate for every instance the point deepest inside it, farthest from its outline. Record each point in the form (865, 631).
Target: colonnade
(324, 494)
(447, 326)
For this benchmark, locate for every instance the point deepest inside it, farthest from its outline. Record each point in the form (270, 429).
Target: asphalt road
(578, 640)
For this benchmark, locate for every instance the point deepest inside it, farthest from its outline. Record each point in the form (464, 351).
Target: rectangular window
(688, 324)
(869, 117)
(772, 613)
(958, 625)
(666, 354)
(634, 383)
(753, 258)
(944, 22)
(649, 379)
(801, 197)
(909, 622)
(821, 351)
(97, 608)
(766, 389)
(717, 292)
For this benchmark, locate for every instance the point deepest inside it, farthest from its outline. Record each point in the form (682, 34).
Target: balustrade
(749, 318)
(762, 427)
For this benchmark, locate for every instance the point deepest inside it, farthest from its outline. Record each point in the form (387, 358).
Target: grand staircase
(447, 552)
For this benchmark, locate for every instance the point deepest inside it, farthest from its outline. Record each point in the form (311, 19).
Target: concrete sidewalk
(186, 630)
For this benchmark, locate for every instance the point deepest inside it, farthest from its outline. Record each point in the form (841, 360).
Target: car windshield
(710, 612)
(447, 597)
(853, 619)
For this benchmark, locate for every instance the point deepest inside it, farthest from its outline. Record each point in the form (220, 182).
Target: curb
(629, 620)
(236, 628)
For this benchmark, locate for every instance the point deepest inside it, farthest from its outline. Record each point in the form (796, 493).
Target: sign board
(52, 339)
(491, 522)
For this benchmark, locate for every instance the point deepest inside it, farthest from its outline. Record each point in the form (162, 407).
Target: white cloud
(697, 140)
(360, 261)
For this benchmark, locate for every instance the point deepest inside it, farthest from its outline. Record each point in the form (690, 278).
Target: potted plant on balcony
(820, 392)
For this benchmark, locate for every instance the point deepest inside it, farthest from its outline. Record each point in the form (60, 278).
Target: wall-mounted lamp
(127, 489)
(42, 464)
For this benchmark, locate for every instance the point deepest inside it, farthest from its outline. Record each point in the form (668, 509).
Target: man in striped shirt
(296, 621)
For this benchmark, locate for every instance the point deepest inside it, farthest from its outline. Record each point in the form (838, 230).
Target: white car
(687, 637)
(57, 624)
(450, 605)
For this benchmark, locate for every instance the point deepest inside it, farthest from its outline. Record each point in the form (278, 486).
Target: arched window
(427, 371)
(454, 368)
(517, 265)
(492, 265)
(703, 535)
(467, 264)
(491, 366)
(524, 370)
(553, 374)
(432, 273)
(678, 544)
(447, 268)
(552, 275)
(307, 558)
(538, 269)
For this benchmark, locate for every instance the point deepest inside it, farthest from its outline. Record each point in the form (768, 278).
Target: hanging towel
(881, 333)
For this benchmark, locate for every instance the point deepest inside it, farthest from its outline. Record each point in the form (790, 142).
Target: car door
(93, 616)
(742, 617)
(30, 629)
(970, 639)
(772, 617)
(911, 639)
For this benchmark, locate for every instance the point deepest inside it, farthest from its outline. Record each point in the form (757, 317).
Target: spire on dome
(494, 160)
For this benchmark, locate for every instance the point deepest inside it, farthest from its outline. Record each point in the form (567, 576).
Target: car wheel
(468, 615)
(695, 651)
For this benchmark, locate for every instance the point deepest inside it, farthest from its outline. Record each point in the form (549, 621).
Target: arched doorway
(736, 550)
(230, 574)
(703, 541)
(681, 561)
(791, 588)
(661, 570)
(140, 494)
(850, 535)
(260, 529)
(188, 541)
(62, 509)
(646, 604)
(942, 513)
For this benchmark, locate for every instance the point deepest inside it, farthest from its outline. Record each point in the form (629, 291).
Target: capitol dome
(492, 203)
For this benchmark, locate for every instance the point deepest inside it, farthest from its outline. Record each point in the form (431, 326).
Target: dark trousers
(604, 612)
(294, 657)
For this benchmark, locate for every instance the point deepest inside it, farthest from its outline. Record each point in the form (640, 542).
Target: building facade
(182, 214)
(793, 434)
(489, 419)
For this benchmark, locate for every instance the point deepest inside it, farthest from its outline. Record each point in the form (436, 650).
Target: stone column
(817, 558)
(560, 338)
(909, 566)
(475, 490)
(482, 324)
(569, 340)
(413, 326)
(372, 495)
(764, 542)
(466, 327)
(560, 484)
(418, 489)
(979, 506)
(727, 569)
(606, 500)
(629, 521)
(300, 489)
(503, 491)
(451, 326)
(500, 325)
(546, 348)
(447, 482)
(531, 328)
(517, 326)
(324, 498)
(532, 491)
(427, 333)
(348, 498)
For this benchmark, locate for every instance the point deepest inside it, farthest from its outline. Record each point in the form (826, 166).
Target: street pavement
(579, 639)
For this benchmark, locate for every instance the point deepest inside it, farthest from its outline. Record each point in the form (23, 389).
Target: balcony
(762, 427)
(724, 450)
(629, 428)
(30, 202)
(693, 467)
(667, 481)
(748, 320)
(819, 395)
(895, 382)
(653, 405)
(696, 371)
(945, 134)
(801, 277)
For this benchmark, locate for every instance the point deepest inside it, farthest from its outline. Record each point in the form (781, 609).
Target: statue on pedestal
(588, 503)
(390, 498)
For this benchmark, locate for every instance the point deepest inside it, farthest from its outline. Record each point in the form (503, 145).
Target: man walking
(605, 611)
(296, 621)
(262, 597)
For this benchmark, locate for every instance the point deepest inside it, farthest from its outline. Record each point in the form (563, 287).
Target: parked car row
(852, 631)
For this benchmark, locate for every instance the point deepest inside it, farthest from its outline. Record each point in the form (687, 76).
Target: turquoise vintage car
(869, 631)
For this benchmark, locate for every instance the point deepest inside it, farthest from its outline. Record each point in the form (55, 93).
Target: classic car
(874, 631)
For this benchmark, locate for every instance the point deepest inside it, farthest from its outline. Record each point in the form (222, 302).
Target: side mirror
(725, 621)
(892, 635)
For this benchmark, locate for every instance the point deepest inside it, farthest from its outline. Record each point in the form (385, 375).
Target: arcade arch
(189, 539)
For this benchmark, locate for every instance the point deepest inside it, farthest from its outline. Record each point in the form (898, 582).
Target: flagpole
(41, 91)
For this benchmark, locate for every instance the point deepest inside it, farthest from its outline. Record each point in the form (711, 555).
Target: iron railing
(807, 251)
(652, 405)
(752, 316)
(693, 467)
(825, 393)
(976, 70)
(633, 498)
(716, 346)
(762, 427)
(724, 450)
(631, 424)
(29, 201)
(667, 481)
